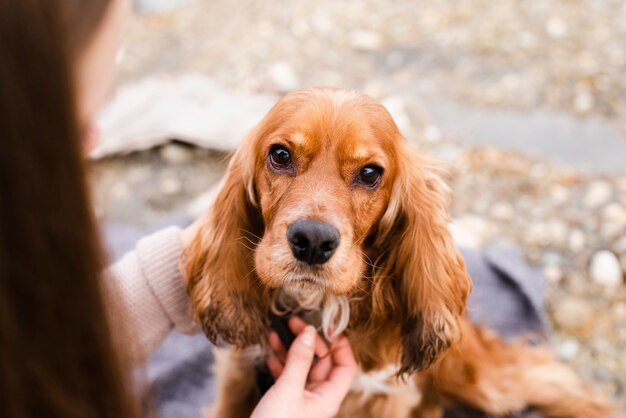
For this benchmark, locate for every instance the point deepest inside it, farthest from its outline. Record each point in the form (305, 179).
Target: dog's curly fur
(396, 264)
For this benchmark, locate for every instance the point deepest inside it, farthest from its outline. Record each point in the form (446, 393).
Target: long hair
(57, 357)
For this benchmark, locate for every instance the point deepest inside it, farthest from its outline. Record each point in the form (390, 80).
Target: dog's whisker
(252, 234)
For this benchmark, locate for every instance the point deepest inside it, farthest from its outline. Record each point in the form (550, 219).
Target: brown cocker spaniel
(326, 211)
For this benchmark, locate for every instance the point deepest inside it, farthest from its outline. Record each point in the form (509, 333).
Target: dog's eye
(370, 175)
(280, 158)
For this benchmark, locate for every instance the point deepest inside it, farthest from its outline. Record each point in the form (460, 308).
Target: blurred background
(524, 100)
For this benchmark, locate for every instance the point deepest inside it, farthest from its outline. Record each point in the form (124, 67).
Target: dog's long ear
(218, 265)
(428, 279)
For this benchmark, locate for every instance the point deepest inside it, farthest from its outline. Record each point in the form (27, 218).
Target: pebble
(620, 245)
(171, 185)
(150, 6)
(365, 40)
(396, 106)
(598, 193)
(556, 27)
(284, 76)
(568, 349)
(432, 133)
(553, 273)
(615, 212)
(176, 153)
(605, 269)
(503, 211)
(573, 315)
(577, 240)
(471, 231)
(583, 102)
(554, 232)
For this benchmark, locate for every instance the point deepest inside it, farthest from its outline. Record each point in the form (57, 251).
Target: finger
(277, 346)
(299, 359)
(275, 366)
(340, 378)
(321, 370)
(297, 325)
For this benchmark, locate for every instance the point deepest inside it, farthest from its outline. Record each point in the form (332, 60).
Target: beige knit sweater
(145, 293)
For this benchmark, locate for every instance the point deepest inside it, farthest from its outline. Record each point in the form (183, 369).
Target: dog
(325, 209)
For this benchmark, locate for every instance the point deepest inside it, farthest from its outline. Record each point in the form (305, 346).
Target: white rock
(568, 349)
(176, 153)
(284, 76)
(396, 106)
(365, 39)
(560, 193)
(432, 133)
(471, 231)
(150, 6)
(553, 273)
(554, 232)
(598, 193)
(502, 210)
(573, 314)
(605, 269)
(577, 240)
(583, 101)
(615, 212)
(556, 27)
(620, 245)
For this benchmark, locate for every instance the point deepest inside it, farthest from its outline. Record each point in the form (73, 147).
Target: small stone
(583, 102)
(432, 133)
(471, 231)
(553, 273)
(619, 311)
(120, 191)
(176, 153)
(366, 40)
(556, 27)
(560, 193)
(620, 245)
(577, 240)
(573, 315)
(284, 76)
(171, 185)
(151, 6)
(554, 232)
(568, 349)
(605, 269)
(615, 212)
(396, 106)
(598, 193)
(503, 211)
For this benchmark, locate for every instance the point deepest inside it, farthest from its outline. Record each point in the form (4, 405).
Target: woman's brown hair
(57, 358)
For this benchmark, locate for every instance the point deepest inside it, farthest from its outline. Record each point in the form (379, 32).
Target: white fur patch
(380, 382)
(334, 309)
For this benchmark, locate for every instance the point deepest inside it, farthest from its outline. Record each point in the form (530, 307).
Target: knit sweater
(146, 294)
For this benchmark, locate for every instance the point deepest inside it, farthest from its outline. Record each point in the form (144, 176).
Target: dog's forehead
(346, 122)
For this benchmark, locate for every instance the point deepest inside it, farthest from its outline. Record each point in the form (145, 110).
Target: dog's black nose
(312, 242)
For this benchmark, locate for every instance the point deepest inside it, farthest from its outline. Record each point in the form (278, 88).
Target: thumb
(299, 359)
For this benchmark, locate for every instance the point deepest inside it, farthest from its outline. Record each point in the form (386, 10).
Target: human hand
(301, 391)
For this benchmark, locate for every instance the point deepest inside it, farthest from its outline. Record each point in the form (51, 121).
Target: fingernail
(308, 337)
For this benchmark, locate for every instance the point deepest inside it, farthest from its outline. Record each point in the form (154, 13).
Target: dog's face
(323, 179)
(325, 197)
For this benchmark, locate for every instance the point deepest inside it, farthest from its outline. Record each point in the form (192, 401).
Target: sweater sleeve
(146, 291)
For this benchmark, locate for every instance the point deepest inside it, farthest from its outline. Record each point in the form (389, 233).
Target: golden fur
(396, 265)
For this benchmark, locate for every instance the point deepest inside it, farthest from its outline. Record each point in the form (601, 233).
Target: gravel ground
(567, 55)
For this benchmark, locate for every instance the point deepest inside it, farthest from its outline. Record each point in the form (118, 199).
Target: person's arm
(146, 294)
